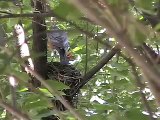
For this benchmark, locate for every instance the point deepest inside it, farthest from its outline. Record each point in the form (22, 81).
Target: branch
(89, 34)
(152, 19)
(152, 55)
(13, 111)
(140, 85)
(86, 57)
(52, 14)
(96, 68)
(100, 64)
(49, 14)
(5, 12)
(119, 31)
(39, 45)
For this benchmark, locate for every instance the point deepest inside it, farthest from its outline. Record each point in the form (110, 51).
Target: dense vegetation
(115, 44)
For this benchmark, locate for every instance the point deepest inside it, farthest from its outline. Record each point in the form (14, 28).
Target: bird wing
(59, 38)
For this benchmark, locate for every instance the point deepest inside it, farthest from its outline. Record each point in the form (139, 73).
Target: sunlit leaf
(57, 85)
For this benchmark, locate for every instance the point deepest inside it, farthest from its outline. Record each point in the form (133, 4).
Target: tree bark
(39, 41)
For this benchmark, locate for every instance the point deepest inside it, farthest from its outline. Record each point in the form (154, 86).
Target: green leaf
(96, 117)
(100, 106)
(145, 4)
(135, 114)
(46, 92)
(39, 104)
(157, 27)
(57, 85)
(34, 102)
(67, 10)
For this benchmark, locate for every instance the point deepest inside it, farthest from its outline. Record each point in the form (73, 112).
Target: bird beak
(70, 56)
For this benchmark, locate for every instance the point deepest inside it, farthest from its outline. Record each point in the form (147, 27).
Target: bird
(58, 39)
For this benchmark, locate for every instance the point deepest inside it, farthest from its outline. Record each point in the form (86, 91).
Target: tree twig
(96, 68)
(140, 85)
(27, 15)
(100, 64)
(5, 12)
(86, 60)
(119, 31)
(13, 111)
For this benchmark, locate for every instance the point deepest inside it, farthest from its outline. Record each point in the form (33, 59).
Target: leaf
(67, 10)
(96, 117)
(100, 106)
(22, 76)
(113, 2)
(157, 27)
(46, 92)
(77, 48)
(42, 113)
(135, 114)
(4, 4)
(34, 102)
(136, 35)
(57, 85)
(145, 4)
(39, 104)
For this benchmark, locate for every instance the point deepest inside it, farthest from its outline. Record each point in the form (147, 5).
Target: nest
(69, 76)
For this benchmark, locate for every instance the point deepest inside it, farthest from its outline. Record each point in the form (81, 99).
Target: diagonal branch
(49, 14)
(100, 64)
(119, 31)
(96, 68)
(140, 85)
(13, 111)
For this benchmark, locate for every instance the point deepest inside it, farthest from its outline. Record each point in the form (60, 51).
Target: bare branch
(27, 15)
(100, 64)
(13, 111)
(119, 31)
(96, 68)
(140, 85)
(5, 12)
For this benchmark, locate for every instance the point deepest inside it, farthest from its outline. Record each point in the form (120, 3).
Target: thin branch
(119, 31)
(140, 85)
(5, 12)
(90, 34)
(101, 64)
(86, 60)
(13, 111)
(152, 19)
(96, 68)
(51, 14)
(27, 15)
(97, 45)
(14, 97)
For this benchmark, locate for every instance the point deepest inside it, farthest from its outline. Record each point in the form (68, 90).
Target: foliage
(111, 94)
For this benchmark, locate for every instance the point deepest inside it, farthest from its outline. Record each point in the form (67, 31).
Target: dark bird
(58, 39)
